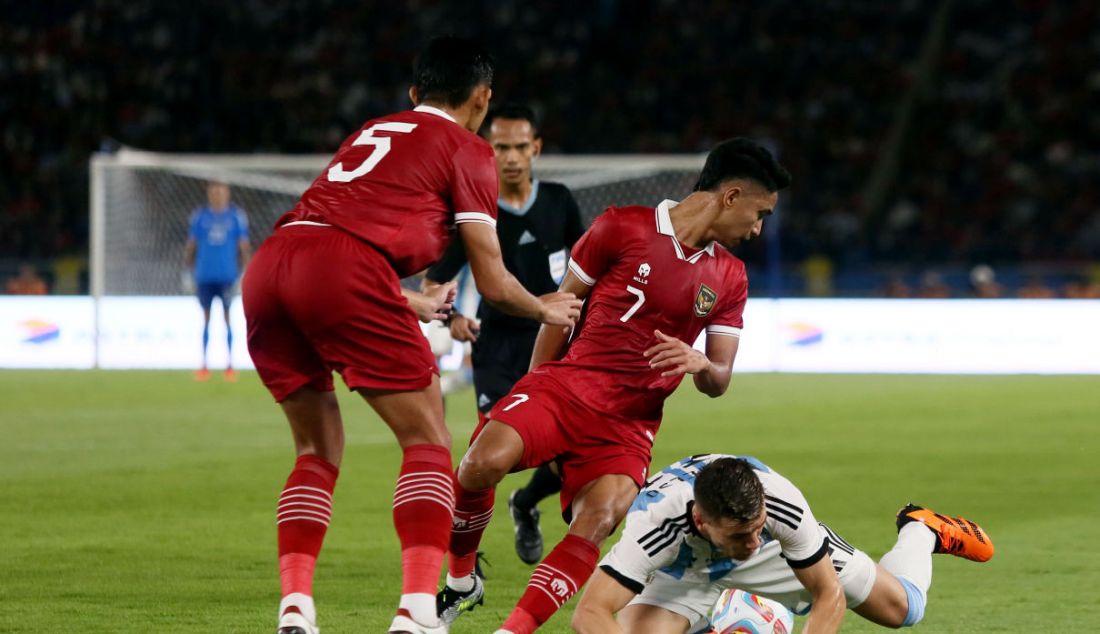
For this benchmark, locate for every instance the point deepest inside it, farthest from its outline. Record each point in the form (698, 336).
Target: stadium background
(925, 137)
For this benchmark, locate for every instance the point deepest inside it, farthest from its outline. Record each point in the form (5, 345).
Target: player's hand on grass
(675, 356)
(463, 328)
(434, 303)
(560, 309)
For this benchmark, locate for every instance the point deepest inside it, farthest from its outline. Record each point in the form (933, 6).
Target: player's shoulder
(662, 499)
(441, 125)
(784, 501)
(554, 198)
(450, 127)
(553, 188)
(666, 499)
(628, 218)
(771, 479)
(781, 496)
(727, 259)
(733, 267)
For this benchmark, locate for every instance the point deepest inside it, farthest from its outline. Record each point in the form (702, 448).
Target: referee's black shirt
(534, 244)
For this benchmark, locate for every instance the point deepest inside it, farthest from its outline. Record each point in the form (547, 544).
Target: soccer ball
(739, 611)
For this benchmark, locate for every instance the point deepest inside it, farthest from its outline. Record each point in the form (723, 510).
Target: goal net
(142, 202)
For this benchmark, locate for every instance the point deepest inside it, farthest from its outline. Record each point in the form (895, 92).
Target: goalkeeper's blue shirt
(217, 236)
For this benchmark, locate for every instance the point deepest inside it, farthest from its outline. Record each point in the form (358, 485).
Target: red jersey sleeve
(597, 249)
(474, 184)
(730, 318)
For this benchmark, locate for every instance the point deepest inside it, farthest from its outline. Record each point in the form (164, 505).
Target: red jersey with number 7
(402, 183)
(643, 279)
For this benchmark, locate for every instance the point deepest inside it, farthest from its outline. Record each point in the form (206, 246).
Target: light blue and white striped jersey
(660, 534)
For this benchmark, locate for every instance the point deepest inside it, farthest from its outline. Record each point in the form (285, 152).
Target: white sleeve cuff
(579, 272)
(475, 216)
(728, 331)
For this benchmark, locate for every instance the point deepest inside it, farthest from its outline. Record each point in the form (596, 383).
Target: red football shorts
(585, 443)
(317, 299)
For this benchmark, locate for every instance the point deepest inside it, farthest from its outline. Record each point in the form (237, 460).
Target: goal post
(141, 202)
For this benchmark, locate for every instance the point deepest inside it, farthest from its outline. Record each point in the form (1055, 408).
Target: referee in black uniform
(537, 223)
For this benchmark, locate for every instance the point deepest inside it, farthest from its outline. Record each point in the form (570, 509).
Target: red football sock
(305, 509)
(473, 510)
(422, 506)
(554, 581)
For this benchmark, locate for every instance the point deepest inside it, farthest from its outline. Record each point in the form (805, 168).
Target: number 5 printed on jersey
(381, 145)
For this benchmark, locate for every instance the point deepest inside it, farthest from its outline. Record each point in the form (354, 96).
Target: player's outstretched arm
(828, 597)
(603, 597)
(711, 371)
(500, 288)
(551, 340)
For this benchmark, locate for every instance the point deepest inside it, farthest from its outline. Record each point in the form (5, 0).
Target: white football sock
(421, 607)
(303, 602)
(911, 556)
(462, 584)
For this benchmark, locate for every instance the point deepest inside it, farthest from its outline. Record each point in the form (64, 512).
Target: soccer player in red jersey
(654, 279)
(323, 293)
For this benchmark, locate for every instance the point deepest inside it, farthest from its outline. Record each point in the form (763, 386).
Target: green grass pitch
(144, 502)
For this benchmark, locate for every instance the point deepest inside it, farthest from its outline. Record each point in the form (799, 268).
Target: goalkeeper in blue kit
(217, 250)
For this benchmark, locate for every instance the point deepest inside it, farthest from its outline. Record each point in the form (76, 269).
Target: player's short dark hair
(514, 111)
(449, 68)
(729, 488)
(742, 158)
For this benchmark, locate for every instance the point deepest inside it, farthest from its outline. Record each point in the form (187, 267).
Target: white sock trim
(461, 584)
(303, 602)
(421, 607)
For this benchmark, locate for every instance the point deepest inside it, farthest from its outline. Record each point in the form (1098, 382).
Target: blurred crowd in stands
(924, 136)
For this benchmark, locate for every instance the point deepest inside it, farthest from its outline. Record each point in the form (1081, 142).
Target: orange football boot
(954, 535)
(230, 375)
(202, 374)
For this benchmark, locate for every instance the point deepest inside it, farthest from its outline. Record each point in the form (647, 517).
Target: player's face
(515, 146)
(218, 195)
(734, 538)
(743, 213)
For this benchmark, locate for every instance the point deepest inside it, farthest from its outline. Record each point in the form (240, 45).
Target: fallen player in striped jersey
(713, 521)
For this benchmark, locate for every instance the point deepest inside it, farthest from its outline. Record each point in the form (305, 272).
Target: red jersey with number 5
(643, 279)
(402, 183)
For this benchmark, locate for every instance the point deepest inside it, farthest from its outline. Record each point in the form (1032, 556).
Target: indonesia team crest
(704, 301)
